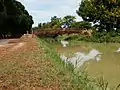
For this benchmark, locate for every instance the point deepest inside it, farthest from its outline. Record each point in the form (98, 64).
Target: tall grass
(71, 78)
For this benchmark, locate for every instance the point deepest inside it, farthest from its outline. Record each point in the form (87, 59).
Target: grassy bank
(69, 78)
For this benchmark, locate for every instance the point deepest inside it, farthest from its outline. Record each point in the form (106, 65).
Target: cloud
(43, 10)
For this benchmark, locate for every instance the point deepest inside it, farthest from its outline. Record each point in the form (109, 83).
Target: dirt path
(9, 45)
(3, 41)
(23, 67)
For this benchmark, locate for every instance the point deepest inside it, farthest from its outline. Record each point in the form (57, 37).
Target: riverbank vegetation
(78, 79)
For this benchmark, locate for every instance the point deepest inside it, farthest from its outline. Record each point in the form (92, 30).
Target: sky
(43, 10)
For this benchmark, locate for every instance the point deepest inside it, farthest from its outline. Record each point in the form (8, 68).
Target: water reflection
(80, 58)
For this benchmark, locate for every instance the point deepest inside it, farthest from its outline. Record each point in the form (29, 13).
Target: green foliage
(68, 20)
(101, 37)
(81, 24)
(56, 22)
(103, 13)
(98, 37)
(14, 18)
(68, 37)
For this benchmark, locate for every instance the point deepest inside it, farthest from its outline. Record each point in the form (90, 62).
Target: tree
(55, 22)
(81, 24)
(68, 20)
(40, 25)
(14, 18)
(105, 14)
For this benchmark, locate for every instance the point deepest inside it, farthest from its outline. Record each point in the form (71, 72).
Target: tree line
(14, 18)
(68, 21)
(101, 15)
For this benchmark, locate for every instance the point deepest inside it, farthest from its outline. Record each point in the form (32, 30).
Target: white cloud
(43, 10)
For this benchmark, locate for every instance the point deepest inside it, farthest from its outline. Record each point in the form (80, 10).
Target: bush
(101, 37)
(68, 37)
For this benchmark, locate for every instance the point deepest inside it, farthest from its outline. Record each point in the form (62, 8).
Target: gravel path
(4, 41)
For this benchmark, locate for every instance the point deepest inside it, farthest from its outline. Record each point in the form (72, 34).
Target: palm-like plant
(68, 20)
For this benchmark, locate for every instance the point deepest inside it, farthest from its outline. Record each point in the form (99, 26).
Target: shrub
(101, 37)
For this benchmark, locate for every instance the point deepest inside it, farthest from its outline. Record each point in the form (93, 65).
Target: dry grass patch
(25, 68)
